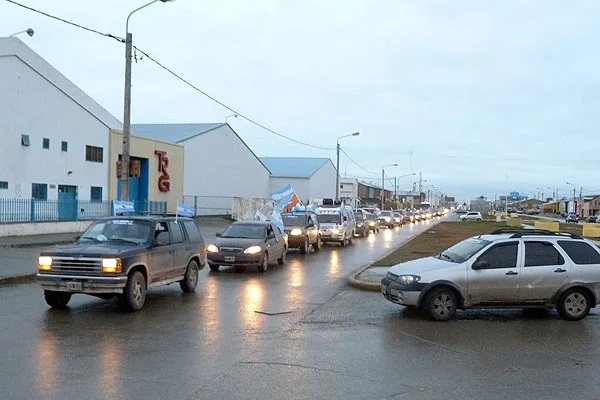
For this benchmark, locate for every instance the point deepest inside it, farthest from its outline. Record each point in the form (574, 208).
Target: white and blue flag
(276, 220)
(285, 198)
(122, 207)
(183, 210)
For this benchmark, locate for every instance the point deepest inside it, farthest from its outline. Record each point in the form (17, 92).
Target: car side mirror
(480, 264)
(218, 234)
(345, 219)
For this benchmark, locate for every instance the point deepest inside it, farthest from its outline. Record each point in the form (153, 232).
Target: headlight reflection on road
(111, 363)
(334, 263)
(297, 270)
(211, 310)
(254, 300)
(48, 368)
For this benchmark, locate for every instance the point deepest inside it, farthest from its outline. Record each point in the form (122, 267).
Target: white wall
(322, 183)
(44, 228)
(218, 163)
(300, 185)
(30, 104)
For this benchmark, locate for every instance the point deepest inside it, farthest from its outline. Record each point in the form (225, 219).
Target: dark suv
(124, 256)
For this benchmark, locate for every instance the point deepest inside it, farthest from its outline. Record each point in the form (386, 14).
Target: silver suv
(506, 268)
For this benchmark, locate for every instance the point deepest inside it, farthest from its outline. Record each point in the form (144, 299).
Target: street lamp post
(383, 183)
(337, 164)
(574, 204)
(127, 104)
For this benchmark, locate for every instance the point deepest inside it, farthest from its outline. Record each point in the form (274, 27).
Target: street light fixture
(28, 31)
(337, 164)
(383, 182)
(230, 116)
(127, 104)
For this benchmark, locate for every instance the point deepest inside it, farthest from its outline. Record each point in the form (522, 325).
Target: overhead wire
(357, 164)
(173, 73)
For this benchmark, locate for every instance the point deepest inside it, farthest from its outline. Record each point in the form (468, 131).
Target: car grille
(231, 250)
(75, 265)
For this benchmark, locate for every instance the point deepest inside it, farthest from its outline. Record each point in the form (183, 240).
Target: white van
(337, 224)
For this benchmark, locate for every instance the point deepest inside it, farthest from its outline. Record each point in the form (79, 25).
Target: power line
(252, 121)
(357, 164)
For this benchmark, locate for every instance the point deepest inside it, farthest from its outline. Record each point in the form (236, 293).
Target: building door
(67, 203)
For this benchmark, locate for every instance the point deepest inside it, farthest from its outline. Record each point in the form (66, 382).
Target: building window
(24, 140)
(93, 153)
(64, 146)
(39, 191)
(46, 143)
(3, 185)
(96, 193)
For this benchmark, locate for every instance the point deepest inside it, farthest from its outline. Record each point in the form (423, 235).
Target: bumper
(82, 284)
(397, 293)
(330, 237)
(241, 259)
(296, 241)
(386, 224)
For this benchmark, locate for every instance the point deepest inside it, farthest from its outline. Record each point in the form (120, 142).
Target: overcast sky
(479, 96)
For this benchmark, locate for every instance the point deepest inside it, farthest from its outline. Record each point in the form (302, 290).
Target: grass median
(437, 239)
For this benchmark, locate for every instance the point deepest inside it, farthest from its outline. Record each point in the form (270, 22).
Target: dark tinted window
(193, 232)
(64, 146)
(161, 234)
(501, 256)
(580, 252)
(541, 253)
(39, 191)
(46, 143)
(96, 193)
(358, 216)
(176, 232)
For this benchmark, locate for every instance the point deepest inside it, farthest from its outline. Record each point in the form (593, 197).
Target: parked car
(595, 219)
(386, 219)
(123, 256)
(572, 217)
(303, 230)
(506, 268)
(337, 224)
(248, 244)
(362, 223)
(373, 222)
(472, 216)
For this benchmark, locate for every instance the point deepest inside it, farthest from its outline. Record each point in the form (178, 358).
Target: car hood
(420, 266)
(238, 242)
(107, 249)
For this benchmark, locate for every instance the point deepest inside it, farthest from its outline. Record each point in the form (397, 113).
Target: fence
(210, 205)
(14, 211)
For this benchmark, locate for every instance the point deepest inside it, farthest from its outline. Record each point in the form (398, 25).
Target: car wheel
(464, 219)
(57, 299)
(350, 238)
(283, 259)
(134, 293)
(264, 265)
(343, 242)
(440, 304)
(304, 247)
(190, 280)
(574, 305)
(478, 219)
(214, 267)
(317, 244)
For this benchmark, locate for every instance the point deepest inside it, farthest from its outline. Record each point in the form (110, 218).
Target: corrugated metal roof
(174, 133)
(293, 167)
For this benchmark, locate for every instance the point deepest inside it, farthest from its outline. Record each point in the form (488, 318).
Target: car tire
(134, 293)
(264, 265)
(574, 305)
(343, 242)
(317, 245)
(57, 299)
(304, 247)
(464, 219)
(479, 219)
(440, 304)
(350, 238)
(214, 267)
(190, 279)
(283, 259)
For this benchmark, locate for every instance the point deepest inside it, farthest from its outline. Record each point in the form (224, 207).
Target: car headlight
(372, 223)
(387, 219)
(111, 265)
(45, 263)
(359, 225)
(335, 231)
(253, 250)
(296, 232)
(408, 279)
(212, 248)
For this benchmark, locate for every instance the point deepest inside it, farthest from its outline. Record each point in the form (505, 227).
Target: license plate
(229, 259)
(75, 286)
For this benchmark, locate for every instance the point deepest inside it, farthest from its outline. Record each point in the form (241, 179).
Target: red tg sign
(164, 185)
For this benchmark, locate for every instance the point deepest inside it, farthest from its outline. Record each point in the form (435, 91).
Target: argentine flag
(183, 210)
(122, 207)
(276, 220)
(285, 198)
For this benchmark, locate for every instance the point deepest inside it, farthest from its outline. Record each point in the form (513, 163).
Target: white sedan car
(471, 216)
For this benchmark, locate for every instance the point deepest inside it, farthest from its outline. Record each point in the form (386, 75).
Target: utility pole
(126, 120)
(337, 173)
(396, 187)
(382, 189)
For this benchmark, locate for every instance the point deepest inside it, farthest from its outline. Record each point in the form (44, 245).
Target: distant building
(481, 204)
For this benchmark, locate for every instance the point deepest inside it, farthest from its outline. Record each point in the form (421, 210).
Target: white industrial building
(313, 179)
(55, 138)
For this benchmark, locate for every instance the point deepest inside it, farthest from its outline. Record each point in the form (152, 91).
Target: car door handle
(560, 270)
(511, 273)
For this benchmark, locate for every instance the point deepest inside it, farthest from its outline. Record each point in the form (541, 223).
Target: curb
(31, 245)
(23, 278)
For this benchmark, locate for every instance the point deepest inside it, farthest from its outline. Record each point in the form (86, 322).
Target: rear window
(193, 232)
(580, 252)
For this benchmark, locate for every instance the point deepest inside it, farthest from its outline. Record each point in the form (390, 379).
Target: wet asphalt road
(336, 343)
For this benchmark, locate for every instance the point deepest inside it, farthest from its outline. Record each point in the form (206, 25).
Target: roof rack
(517, 233)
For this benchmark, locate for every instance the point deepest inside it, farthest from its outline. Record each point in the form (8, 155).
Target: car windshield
(464, 250)
(118, 230)
(358, 216)
(329, 218)
(245, 231)
(386, 214)
(294, 220)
